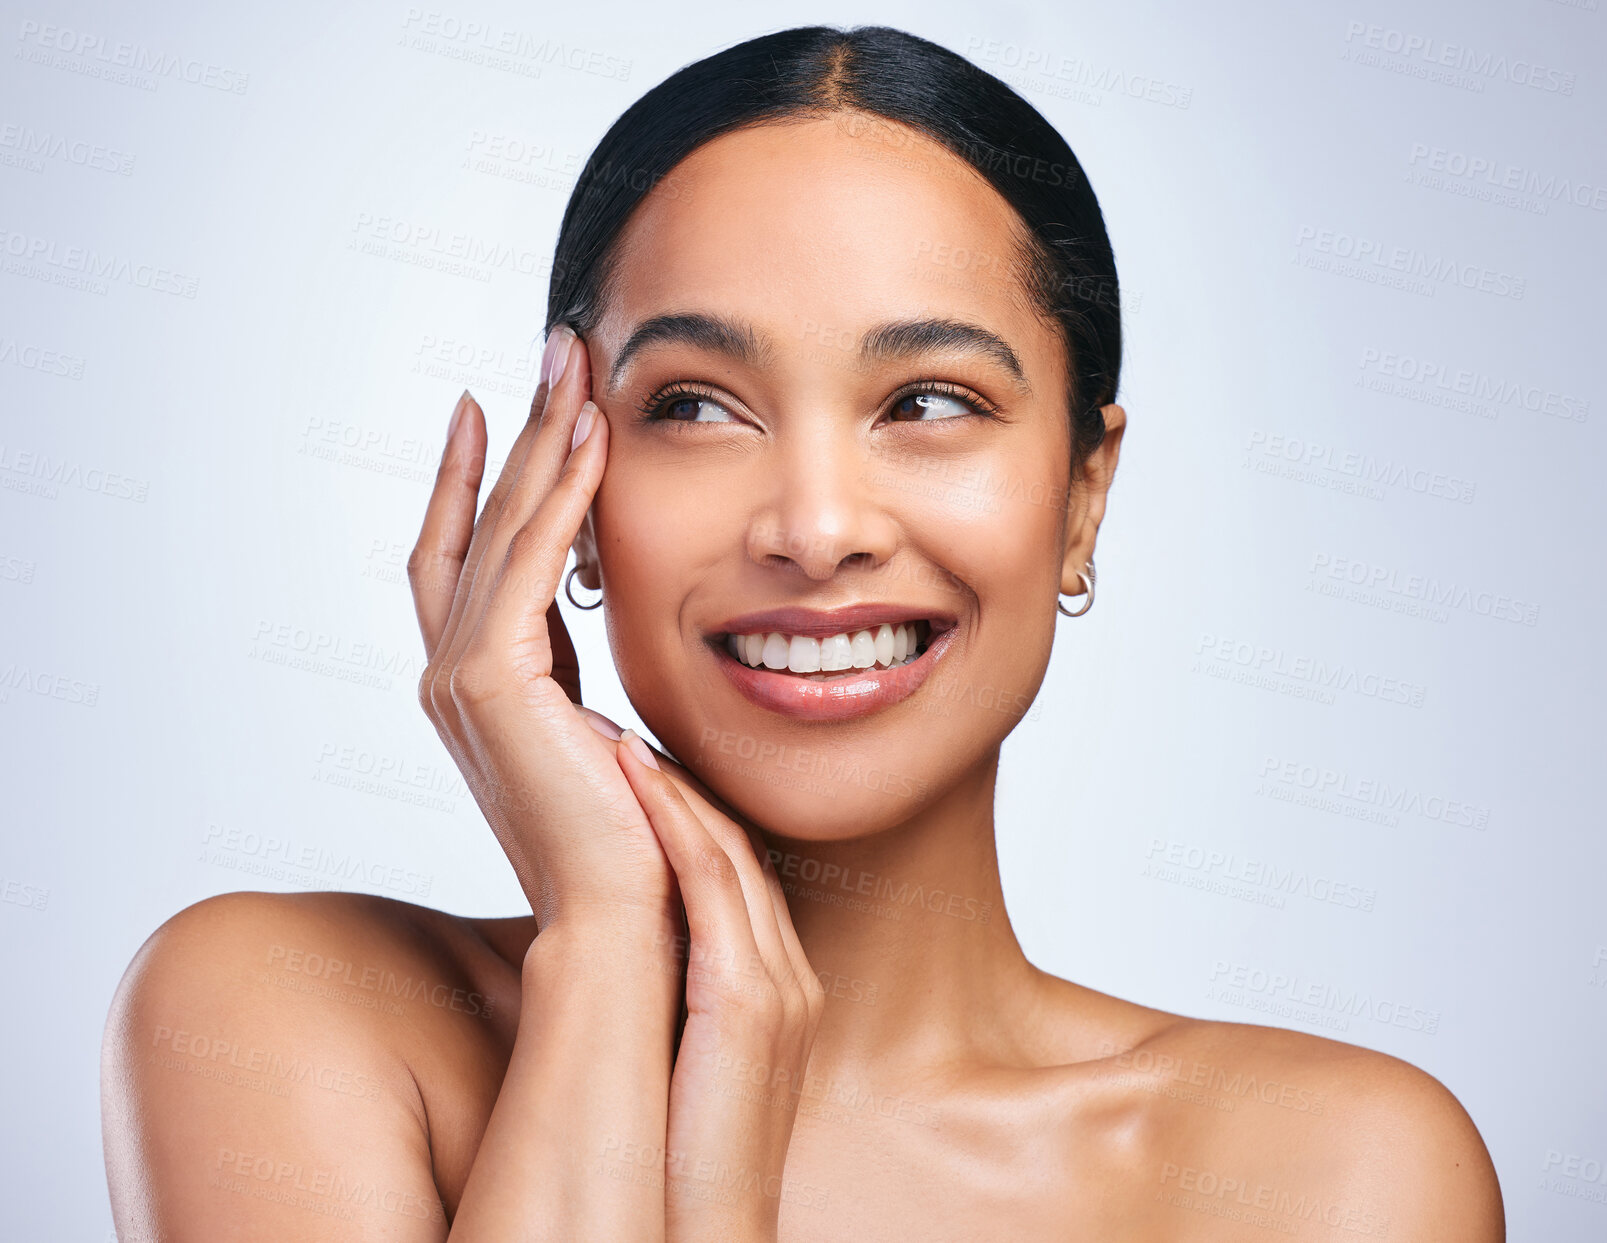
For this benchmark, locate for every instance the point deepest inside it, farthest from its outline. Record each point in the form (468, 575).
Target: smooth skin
(770, 999)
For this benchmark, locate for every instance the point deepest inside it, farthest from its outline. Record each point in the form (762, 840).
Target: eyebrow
(739, 340)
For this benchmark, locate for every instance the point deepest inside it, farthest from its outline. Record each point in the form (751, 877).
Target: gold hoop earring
(569, 590)
(1088, 584)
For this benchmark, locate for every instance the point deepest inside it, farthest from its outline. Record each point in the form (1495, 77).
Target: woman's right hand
(501, 682)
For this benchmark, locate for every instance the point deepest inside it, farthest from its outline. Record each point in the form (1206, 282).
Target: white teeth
(887, 646)
(775, 652)
(837, 652)
(804, 654)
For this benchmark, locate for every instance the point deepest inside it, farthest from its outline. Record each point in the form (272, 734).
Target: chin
(825, 783)
(815, 809)
(821, 772)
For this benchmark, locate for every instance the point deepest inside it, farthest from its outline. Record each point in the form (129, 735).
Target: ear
(1086, 509)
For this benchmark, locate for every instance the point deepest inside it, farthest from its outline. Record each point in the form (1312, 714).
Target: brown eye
(927, 407)
(686, 406)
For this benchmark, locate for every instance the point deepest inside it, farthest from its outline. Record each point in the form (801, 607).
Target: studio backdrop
(1327, 755)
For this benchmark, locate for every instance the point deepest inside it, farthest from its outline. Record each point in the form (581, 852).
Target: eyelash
(654, 406)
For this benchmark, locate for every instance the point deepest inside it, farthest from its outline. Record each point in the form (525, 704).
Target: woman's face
(853, 417)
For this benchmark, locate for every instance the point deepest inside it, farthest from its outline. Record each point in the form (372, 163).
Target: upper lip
(822, 623)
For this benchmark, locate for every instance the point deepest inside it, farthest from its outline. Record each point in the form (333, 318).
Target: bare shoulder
(287, 1063)
(340, 964)
(1246, 1124)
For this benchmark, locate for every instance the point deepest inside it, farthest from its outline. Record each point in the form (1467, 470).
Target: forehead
(820, 227)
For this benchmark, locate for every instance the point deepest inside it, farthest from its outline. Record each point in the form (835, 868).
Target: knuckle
(472, 681)
(730, 838)
(426, 691)
(527, 542)
(441, 697)
(753, 1012)
(428, 568)
(795, 1006)
(713, 863)
(770, 1013)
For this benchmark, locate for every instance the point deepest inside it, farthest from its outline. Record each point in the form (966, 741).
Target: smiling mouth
(848, 653)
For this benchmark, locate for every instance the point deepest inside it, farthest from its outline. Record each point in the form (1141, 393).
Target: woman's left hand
(752, 1008)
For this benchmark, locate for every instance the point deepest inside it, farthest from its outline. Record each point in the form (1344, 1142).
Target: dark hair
(808, 71)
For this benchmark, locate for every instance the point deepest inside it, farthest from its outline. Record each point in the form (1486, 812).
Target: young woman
(827, 415)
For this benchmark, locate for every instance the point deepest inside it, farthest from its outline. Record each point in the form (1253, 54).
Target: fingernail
(604, 727)
(457, 416)
(556, 356)
(639, 749)
(583, 425)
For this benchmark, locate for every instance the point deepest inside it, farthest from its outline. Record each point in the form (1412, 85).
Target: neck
(908, 932)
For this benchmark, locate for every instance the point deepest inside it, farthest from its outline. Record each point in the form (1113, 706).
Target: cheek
(655, 538)
(1006, 559)
(623, 514)
(638, 523)
(991, 522)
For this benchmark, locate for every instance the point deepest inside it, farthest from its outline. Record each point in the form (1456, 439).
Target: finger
(437, 558)
(487, 519)
(520, 600)
(728, 828)
(725, 898)
(737, 842)
(526, 487)
(718, 818)
(693, 789)
(720, 902)
(755, 847)
(789, 934)
(726, 825)
(559, 342)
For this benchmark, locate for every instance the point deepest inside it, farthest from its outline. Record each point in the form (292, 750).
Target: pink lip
(821, 623)
(856, 693)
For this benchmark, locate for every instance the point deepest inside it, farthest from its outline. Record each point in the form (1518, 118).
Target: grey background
(214, 457)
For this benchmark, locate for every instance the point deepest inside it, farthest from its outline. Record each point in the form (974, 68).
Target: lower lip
(856, 693)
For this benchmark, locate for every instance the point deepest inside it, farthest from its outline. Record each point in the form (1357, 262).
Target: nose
(822, 510)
